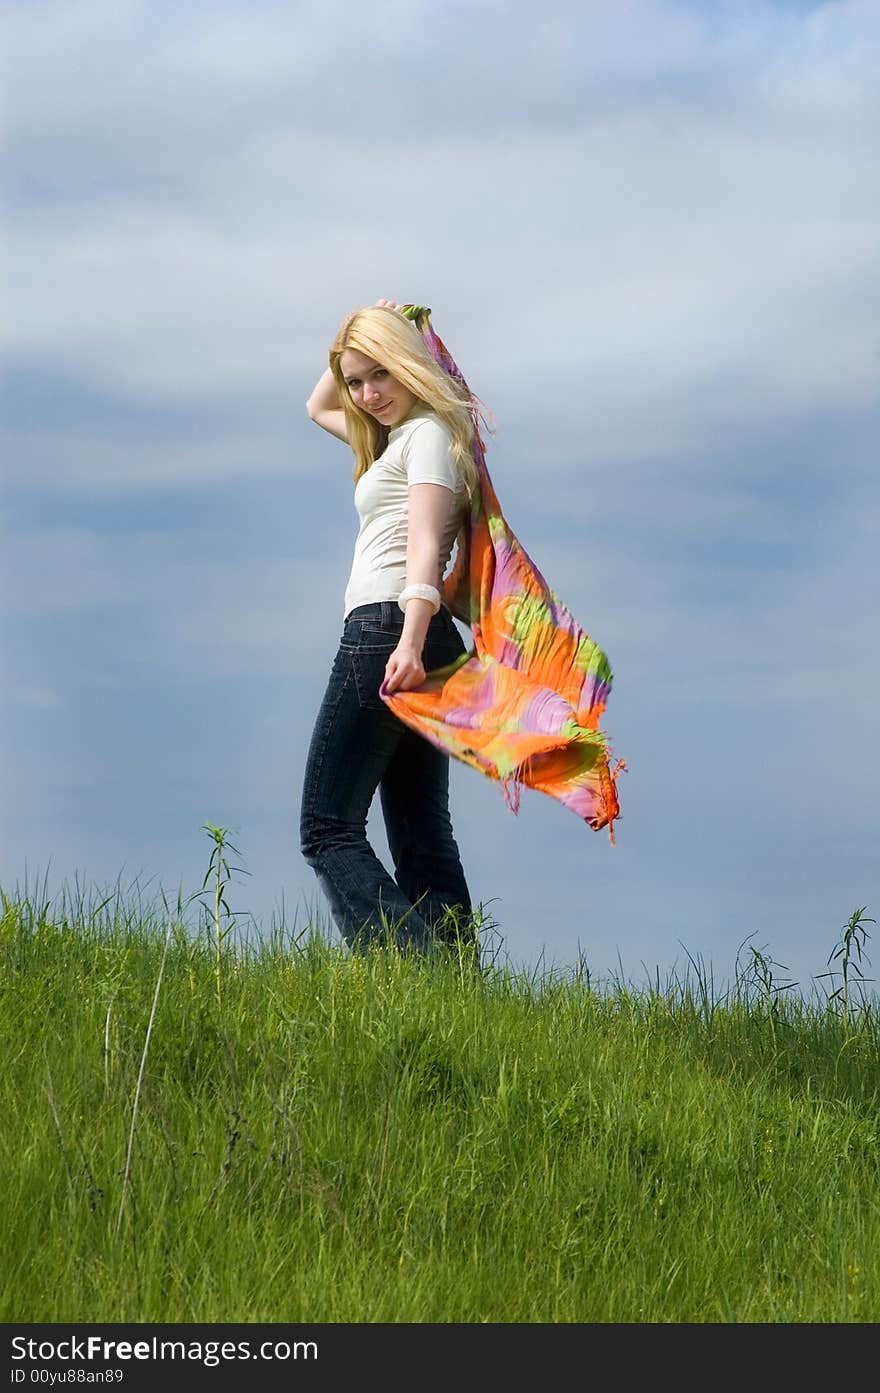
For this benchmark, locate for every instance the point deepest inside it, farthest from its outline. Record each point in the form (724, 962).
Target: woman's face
(373, 388)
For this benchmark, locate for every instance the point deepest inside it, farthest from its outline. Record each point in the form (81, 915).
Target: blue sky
(648, 233)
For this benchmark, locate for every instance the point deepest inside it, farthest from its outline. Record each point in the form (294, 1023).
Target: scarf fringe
(619, 768)
(512, 787)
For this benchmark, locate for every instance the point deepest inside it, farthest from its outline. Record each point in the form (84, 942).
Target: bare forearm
(422, 568)
(428, 512)
(325, 396)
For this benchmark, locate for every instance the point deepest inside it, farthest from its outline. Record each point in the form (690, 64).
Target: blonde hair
(396, 344)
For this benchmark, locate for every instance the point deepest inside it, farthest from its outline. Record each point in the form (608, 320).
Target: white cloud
(674, 242)
(657, 292)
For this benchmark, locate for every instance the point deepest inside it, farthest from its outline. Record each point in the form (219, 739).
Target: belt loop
(387, 614)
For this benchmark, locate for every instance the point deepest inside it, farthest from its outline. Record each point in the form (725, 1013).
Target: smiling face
(373, 388)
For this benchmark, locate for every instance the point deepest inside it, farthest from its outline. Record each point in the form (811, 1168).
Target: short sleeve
(427, 455)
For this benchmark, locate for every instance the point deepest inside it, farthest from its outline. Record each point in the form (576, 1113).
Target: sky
(648, 233)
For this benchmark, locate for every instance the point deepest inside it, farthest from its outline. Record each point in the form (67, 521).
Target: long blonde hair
(395, 343)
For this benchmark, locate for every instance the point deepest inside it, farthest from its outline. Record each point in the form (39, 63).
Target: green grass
(204, 1127)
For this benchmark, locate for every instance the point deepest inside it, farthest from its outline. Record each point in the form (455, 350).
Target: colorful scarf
(524, 706)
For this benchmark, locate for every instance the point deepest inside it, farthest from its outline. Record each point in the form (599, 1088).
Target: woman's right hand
(389, 303)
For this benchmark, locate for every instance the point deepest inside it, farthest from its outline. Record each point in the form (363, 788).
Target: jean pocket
(360, 637)
(374, 636)
(368, 665)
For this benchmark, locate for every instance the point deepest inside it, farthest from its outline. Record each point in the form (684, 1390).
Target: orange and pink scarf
(524, 706)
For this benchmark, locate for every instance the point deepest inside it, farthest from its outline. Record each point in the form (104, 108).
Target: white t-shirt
(418, 452)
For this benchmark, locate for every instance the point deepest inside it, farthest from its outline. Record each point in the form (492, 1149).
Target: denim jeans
(358, 744)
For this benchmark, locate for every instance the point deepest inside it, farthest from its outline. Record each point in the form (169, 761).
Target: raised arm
(324, 408)
(323, 405)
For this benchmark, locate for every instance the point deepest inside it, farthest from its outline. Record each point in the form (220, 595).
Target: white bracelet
(419, 592)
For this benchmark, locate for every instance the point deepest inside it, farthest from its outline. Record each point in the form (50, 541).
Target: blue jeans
(358, 744)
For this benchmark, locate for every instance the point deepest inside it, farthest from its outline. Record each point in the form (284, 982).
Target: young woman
(410, 427)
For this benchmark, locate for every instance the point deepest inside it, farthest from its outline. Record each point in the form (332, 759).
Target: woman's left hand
(404, 669)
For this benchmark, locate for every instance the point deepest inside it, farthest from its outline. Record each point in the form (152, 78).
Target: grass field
(202, 1127)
